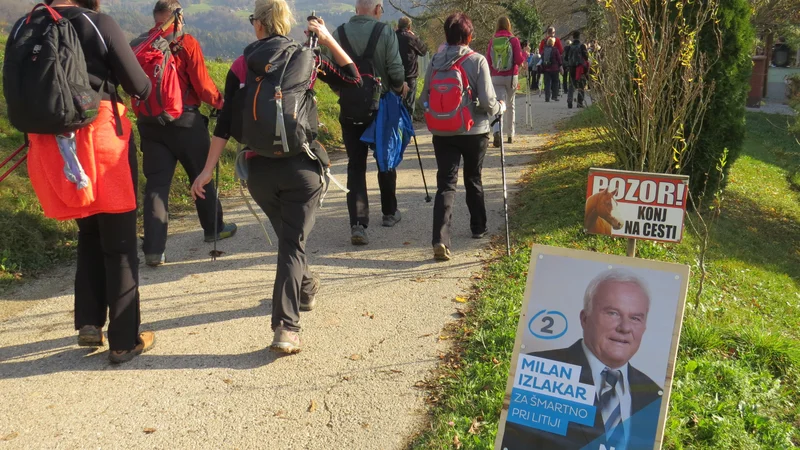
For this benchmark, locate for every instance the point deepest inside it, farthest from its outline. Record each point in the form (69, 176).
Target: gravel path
(211, 382)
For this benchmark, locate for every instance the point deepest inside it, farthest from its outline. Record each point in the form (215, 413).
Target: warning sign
(636, 204)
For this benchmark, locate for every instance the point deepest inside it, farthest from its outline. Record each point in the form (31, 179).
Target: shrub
(729, 71)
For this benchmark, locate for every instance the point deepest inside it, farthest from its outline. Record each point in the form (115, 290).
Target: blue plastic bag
(390, 132)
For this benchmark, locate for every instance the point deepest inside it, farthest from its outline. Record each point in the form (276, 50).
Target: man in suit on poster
(628, 402)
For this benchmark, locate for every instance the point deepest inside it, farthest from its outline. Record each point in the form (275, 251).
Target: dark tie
(610, 406)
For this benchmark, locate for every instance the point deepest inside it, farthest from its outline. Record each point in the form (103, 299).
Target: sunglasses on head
(381, 7)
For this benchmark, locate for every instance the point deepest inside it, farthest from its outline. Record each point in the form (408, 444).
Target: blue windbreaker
(390, 132)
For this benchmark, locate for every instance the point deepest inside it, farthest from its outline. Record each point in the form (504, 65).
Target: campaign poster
(636, 205)
(594, 353)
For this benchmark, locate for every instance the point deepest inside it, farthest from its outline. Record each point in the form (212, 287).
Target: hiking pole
(215, 253)
(425, 183)
(505, 190)
(158, 31)
(16, 164)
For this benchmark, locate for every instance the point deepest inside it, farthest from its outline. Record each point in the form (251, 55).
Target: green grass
(31, 244)
(737, 383)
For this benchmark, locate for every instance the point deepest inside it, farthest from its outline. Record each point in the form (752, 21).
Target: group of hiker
(269, 107)
(561, 68)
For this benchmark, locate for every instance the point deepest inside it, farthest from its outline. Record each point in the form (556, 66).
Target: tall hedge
(724, 125)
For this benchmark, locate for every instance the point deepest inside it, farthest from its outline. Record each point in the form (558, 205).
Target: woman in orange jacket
(107, 278)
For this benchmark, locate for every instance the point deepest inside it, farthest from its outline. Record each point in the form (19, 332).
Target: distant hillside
(221, 26)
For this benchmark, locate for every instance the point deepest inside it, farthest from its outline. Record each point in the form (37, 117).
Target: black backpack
(280, 114)
(575, 55)
(45, 80)
(357, 105)
(547, 56)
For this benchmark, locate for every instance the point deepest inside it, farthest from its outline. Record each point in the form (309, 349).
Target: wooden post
(768, 54)
(631, 248)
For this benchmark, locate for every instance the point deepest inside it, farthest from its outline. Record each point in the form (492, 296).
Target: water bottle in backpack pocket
(449, 98)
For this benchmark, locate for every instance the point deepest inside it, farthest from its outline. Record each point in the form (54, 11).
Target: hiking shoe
(480, 235)
(155, 260)
(358, 235)
(497, 140)
(286, 341)
(147, 340)
(309, 301)
(510, 140)
(227, 231)
(90, 336)
(441, 253)
(390, 221)
(569, 105)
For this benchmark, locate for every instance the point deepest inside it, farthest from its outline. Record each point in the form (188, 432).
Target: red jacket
(104, 158)
(196, 84)
(556, 45)
(516, 49)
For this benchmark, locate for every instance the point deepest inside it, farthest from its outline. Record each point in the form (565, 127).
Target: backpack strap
(114, 99)
(372, 44)
(460, 68)
(344, 42)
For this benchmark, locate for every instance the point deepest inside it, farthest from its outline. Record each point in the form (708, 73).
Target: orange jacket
(196, 84)
(104, 157)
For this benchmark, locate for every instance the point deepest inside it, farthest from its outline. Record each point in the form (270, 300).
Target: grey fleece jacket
(484, 105)
(386, 59)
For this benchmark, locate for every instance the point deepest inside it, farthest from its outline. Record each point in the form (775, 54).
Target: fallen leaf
(227, 381)
(460, 299)
(280, 413)
(477, 276)
(473, 429)
(9, 436)
(149, 430)
(364, 425)
(406, 243)
(495, 361)
(461, 312)
(451, 423)
(426, 335)
(368, 314)
(313, 406)
(395, 371)
(456, 442)
(418, 280)
(443, 338)
(355, 357)
(193, 333)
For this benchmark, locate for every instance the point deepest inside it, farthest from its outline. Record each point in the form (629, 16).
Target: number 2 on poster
(548, 324)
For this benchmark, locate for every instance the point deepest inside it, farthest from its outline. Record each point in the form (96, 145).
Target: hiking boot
(309, 301)
(497, 139)
(227, 231)
(441, 253)
(358, 235)
(390, 221)
(286, 341)
(569, 105)
(480, 235)
(90, 336)
(510, 140)
(147, 340)
(155, 260)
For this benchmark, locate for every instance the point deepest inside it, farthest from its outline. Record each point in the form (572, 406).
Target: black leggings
(288, 191)
(107, 278)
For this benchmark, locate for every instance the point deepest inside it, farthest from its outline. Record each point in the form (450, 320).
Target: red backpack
(449, 96)
(165, 103)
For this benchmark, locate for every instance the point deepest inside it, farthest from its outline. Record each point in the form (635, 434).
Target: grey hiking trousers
(288, 190)
(506, 90)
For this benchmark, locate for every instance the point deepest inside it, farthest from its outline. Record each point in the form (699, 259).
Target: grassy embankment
(737, 382)
(31, 243)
